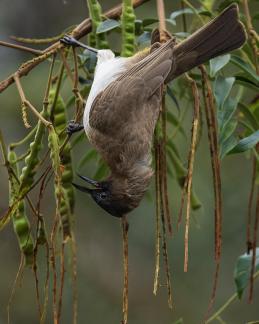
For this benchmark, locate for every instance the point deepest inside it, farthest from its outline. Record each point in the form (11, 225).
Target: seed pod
(128, 28)
(95, 13)
(20, 221)
(67, 191)
(32, 160)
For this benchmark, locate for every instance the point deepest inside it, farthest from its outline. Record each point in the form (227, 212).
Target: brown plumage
(123, 115)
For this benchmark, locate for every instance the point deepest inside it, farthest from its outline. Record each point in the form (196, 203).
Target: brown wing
(124, 98)
(124, 115)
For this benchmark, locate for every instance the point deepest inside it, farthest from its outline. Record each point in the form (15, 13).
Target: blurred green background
(98, 235)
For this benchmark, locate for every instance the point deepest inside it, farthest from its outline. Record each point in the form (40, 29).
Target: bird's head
(112, 200)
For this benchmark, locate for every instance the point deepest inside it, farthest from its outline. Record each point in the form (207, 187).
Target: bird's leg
(71, 41)
(74, 127)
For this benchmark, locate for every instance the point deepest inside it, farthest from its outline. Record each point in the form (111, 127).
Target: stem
(21, 48)
(4, 149)
(227, 303)
(125, 229)
(158, 235)
(25, 139)
(253, 264)
(27, 102)
(161, 18)
(252, 34)
(194, 10)
(189, 177)
(81, 30)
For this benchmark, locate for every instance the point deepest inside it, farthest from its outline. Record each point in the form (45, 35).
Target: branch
(81, 30)
(21, 48)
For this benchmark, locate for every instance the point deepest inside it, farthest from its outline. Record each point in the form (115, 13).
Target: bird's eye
(103, 195)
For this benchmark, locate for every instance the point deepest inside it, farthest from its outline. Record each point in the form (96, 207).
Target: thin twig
(81, 30)
(164, 237)
(39, 41)
(184, 17)
(162, 21)
(214, 149)
(125, 229)
(74, 277)
(215, 162)
(21, 48)
(158, 235)
(27, 102)
(253, 264)
(189, 176)
(62, 279)
(164, 188)
(252, 34)
(250, 205)
(226, 305)
(79, 98)
(18, 275)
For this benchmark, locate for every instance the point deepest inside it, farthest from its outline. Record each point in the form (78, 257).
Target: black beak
(92, 182)
(69, 40)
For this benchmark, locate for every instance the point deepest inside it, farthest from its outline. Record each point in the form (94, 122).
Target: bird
(123, 106)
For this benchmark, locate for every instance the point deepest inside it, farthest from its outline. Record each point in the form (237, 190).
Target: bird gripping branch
(123, 105)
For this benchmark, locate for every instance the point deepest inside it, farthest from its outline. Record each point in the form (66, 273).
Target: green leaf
(248, 114)
(227, 146)
(218, 63)
(254, 107)
(138, 27)
(247, 68)
(188, 11)
(107, 25)
(180, 12)
(224, 115)
(221, 89)
(242, 271)
(246, 143)
(227, 131)
(240, 79)
(149, 21)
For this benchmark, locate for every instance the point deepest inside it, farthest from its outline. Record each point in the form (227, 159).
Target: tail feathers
(222, 35)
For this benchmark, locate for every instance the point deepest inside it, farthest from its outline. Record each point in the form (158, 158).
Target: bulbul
(124, 102)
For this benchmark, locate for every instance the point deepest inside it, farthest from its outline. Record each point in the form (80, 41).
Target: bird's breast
(107, 70)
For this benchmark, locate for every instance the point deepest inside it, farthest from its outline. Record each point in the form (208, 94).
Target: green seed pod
(20, 221)
(95, 13)
(66, 189)
(128, 28)
(32, 160)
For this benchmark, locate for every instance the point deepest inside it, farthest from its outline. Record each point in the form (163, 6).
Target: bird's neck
(132, 185)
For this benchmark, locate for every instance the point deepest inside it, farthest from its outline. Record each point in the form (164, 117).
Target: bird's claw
(68, 40)
(73, 127)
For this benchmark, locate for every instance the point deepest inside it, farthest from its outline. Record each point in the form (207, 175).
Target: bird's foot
(69, 41)
(73, 127)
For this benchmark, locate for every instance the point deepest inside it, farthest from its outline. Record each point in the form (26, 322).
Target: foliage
(234, 130)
